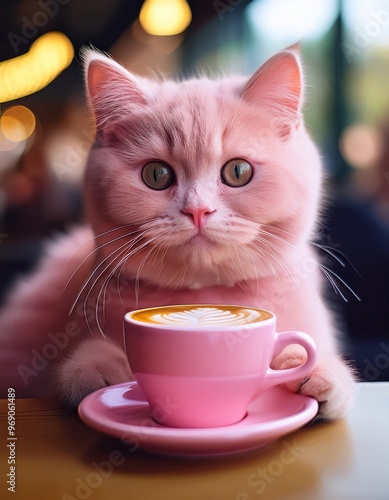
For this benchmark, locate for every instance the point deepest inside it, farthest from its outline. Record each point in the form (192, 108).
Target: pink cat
(196, 191)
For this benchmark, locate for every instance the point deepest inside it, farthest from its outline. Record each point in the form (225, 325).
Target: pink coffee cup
(201, 365)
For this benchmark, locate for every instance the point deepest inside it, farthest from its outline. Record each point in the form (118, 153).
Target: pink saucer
(123, 412)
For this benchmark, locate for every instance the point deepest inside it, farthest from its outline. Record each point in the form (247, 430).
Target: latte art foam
(206, 316)
(201, 315)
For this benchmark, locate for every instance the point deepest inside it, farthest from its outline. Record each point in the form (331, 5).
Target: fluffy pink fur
(199, 240)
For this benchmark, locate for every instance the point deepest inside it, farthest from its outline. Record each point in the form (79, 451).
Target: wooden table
(59, 457)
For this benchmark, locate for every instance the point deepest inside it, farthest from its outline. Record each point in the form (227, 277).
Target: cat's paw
(292, 356)
(331, 383)
(93, 365)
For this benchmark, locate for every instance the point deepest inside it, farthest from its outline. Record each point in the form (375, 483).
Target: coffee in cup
(201, 365)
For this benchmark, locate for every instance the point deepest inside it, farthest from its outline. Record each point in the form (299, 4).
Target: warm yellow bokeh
(165, 17)
(48, 56)
(17, 123)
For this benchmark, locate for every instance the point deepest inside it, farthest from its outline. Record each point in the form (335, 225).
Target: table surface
(57, 455)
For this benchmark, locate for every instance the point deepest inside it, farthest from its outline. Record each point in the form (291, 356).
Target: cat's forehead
(193, 98)
(188, 120)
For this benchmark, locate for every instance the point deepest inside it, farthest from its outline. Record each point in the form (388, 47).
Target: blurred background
(46, 129)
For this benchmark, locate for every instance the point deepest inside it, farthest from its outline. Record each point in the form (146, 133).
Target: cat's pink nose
(198, 215)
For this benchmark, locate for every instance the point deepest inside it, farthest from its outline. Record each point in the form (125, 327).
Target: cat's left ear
(278, 86)
(112, 90)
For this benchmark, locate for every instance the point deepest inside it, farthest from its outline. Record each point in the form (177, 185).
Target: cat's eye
(158, 175)
(237, 173)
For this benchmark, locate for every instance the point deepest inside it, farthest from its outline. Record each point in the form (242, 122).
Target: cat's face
(200, 182)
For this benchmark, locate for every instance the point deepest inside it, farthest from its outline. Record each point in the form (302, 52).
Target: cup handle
(283, 339)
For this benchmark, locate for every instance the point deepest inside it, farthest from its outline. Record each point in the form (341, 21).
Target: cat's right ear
(278, 86)
(112, 90)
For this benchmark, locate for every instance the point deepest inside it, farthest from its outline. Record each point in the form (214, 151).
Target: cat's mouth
(202, 239)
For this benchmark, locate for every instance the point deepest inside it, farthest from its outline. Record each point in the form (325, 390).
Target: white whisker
(94, 238)
(340, 279)
(327, 274)
(128, 253)
(123, 250)
(141, 265)
(247, 250)
(330, 251)
(105, 284)
(335, 287)
(125, 245)
(113, 271)
(96, 249)
(262, 252)
(238, 266)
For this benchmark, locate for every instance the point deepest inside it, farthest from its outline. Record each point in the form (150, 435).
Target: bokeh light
(165, 17)
(17, 123)
(291, 21)
(361, 145)
(48, 56)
